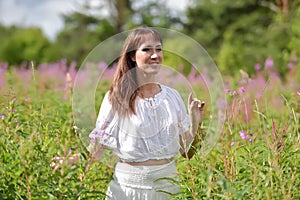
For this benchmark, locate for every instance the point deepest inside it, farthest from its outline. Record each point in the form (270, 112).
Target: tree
(80, 35)
(237, 34)
(23, 44)
(88, 26)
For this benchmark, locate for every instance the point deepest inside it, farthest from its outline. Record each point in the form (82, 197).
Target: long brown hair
(123, 90)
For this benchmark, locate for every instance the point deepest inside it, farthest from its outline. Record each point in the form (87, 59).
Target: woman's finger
(190, 98)
(56, 167)
(201, 105)
(56, 158)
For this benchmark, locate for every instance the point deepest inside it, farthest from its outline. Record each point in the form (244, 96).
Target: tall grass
(257, 155)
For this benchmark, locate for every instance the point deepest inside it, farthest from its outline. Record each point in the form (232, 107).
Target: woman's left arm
(193, 136)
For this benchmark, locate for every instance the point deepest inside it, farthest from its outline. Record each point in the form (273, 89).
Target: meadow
(257, 154)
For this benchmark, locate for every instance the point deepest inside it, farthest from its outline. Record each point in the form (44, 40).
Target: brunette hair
(123, 90)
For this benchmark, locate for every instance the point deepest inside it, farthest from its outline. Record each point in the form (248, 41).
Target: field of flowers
(257, 155)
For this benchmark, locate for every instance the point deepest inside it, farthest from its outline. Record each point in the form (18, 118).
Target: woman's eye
(158, 49)
(146, 49)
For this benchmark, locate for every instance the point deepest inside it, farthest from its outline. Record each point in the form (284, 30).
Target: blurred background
(254, 43)
(238, 34)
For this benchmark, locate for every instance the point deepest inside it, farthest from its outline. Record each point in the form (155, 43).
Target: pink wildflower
(227, 91)
(257, 67)
(291, 65)
(241, 90)
(294, 59)
(269, 63)
(245, 137)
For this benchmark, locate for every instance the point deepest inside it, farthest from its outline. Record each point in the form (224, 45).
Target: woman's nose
(153, 56)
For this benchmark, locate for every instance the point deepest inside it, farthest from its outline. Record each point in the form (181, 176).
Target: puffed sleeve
(105, 132)
(183, 117)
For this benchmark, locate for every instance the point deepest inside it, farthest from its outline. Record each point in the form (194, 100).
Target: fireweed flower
(257, 67)
(294, 59)
(231, 144)
(241, 90)
(245, 137)
(227, 91)
(1, 116)
(269, 63)
(234, 93)
(291, 65)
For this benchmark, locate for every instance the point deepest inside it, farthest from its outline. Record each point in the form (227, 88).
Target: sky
(46, 14)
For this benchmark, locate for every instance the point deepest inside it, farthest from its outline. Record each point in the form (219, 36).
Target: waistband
(147, 177)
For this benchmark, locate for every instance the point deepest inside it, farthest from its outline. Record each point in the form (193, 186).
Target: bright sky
(46, 13)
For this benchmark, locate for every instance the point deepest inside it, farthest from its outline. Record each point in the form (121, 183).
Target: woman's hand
(57, 161)
(196, 111)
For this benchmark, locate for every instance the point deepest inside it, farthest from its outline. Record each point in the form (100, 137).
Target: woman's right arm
(95, 153)
(95, 148)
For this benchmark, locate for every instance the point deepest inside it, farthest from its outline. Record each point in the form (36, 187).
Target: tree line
(237, 34)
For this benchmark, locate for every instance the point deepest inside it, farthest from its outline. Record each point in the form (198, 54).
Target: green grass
(36, 124)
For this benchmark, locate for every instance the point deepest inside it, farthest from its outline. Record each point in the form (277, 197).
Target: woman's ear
(132, 56)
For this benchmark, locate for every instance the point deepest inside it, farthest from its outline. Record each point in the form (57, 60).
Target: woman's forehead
(150, 43)
(149, 37)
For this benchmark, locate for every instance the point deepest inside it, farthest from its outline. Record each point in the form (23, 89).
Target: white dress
(153, 133)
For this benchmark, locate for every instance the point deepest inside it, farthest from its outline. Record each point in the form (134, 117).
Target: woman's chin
(152, 69)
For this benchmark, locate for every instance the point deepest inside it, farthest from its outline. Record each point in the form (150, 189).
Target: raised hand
(196, 110)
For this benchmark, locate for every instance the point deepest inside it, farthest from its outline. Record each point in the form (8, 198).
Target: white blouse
(152, 133)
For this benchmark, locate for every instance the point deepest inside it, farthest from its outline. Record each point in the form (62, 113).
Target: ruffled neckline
(157, 95)
(155, 100)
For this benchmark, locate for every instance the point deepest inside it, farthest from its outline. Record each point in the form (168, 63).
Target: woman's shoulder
(106, 96)
(169, 90)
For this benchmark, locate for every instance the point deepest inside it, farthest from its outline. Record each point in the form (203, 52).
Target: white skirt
(143, 182)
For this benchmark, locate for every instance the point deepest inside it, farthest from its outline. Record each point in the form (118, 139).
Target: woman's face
(148, 56)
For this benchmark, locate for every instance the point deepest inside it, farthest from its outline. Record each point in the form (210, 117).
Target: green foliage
(295, 30)
(236, 34)
(81, 34)
(36, 124)
(240, 34)
(83, 31)
(23, 44)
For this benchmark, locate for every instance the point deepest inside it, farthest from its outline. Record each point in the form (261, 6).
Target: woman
(144, 122)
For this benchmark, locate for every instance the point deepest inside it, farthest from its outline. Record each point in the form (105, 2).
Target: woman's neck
(149, 90)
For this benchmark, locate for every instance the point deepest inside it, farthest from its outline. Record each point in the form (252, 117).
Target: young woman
(145, 123)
